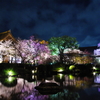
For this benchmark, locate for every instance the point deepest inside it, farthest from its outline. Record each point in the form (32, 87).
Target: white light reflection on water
(22, 86)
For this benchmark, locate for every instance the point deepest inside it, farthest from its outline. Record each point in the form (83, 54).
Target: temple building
(5, 36)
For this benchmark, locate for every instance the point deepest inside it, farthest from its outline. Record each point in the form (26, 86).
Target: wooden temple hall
(4, 36)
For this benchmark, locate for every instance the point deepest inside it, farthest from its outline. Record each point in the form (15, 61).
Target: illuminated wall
(97, 54)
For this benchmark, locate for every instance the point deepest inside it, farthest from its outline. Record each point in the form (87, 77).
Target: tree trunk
(61, 57)
(3, 58)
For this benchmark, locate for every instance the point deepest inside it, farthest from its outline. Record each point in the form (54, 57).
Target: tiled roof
(5, 35)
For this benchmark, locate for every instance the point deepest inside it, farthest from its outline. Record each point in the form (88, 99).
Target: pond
(75, 86)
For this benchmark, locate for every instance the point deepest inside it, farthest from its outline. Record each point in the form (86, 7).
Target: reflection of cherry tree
(6, 48)
(33, 95)
(32, 50)
(65, 95)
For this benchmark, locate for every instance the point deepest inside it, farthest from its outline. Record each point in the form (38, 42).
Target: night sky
(48, 18)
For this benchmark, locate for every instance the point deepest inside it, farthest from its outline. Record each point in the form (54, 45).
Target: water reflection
(74, 87)
(65, 95)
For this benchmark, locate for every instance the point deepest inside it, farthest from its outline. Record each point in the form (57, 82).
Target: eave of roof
(4, 35)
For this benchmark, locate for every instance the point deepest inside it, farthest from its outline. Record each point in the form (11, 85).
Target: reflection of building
(69, 81)
(77, 82)
(89, 49)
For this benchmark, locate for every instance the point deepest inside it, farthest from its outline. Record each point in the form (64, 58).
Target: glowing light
(71, 77)
(94, 68)
(10, 75)
(33, 71)
(9, 82)
(33, 76)
(9, 72)
(61, 76)
(94, 73)
(60, 70)
(71, 67)
(10, 79)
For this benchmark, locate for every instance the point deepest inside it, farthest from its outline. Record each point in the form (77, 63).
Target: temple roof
(6, 36)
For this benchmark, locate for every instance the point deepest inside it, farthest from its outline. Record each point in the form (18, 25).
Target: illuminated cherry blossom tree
(6, 49)
(32, 51)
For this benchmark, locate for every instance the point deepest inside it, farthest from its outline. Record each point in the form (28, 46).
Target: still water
(75, 86)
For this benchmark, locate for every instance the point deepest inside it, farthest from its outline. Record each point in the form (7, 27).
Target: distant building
(97, 51)
(94, 51)
(97, 54)
(88, 49)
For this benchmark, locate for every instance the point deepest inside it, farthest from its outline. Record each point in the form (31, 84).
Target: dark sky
(48, 18)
